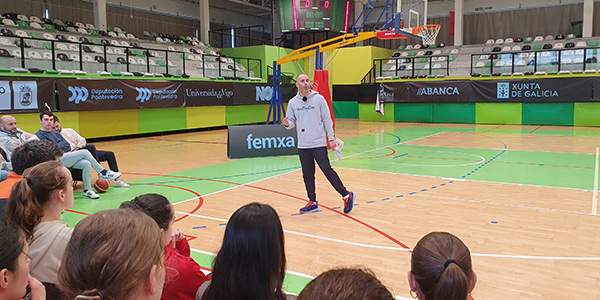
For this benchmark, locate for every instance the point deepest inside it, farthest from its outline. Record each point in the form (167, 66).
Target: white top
(47, 248)
(75, 140)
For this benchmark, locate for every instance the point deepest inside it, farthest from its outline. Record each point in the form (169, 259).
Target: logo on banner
(524, 90)
(78, 94)
(264, 93)
(385, 96)
(25, 94)
(219, 94)
(270, 142)
(503, 90)
(5, 95)
(438, 91)
(144, 94)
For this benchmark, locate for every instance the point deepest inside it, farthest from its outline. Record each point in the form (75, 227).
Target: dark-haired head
(46, 113)
(441, 268)
(346, 284)
(158, 208)
(12, 261)
(114, 254)
(251, 262)
(33, 153)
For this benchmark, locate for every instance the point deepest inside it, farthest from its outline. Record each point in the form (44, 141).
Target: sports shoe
(310, 207)
(120, 183)
(90, 194)
(349, 203)
(110, 175)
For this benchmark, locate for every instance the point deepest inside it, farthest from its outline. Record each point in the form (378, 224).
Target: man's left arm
(327, 122)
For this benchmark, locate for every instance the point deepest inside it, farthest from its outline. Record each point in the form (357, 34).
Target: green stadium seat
(95, 41)
(5, 70)
(36, 35)
(138, 53)
(401, 48)
(23, 24)
(160, 63)
(51, 71)
(412, 53)
(536, 47)
(47, 46)
(424, 60)
(49, 27)
(528, 39)
(592, 43)
(93, 32)
(176, 76)
(116, 74)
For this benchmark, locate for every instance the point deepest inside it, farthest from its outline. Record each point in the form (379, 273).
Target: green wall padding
(548, 114)
(498, 113)
(366, 112)
(586, 114)
(413, 112)
(162, 119)
(245, 114)
(345, 109)
(454, 113)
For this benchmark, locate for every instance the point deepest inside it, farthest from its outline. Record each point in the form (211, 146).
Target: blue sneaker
(310, 207)
(349, 203)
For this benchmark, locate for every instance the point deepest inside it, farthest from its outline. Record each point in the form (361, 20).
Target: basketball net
(428, 33)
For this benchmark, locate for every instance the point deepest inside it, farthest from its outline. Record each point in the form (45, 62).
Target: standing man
(78, 142)
(309, 113)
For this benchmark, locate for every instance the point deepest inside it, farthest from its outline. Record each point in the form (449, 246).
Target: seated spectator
(35, 205)
(14, 266)
(346, 284)
(5, 164)
(251, 262)
(114, 255)
(441, 268)
(11, 136)
(78, 142)
(183, 276)
(28, 155)
(81, 159)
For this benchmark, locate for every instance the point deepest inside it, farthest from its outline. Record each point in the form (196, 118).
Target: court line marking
(408, 250)
(456, 165)
(595, 195)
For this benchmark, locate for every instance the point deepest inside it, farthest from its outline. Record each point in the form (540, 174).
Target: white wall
(442, 8)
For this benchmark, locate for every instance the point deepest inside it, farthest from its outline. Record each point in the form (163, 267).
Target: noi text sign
(260, 140)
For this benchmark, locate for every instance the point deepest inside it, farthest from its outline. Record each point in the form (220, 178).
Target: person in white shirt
(78, 142)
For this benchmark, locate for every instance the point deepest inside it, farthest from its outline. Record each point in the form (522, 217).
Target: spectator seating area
(509, 57)
(28, 44)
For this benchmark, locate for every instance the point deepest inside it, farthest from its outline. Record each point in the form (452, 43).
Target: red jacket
(183, 276)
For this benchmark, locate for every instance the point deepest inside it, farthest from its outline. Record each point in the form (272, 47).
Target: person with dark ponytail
(14, 266)
(114, 255)
(441, 268)
(183, 275)
(251, 262)
(35, 205)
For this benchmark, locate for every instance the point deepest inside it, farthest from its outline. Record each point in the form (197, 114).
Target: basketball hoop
(428, 33)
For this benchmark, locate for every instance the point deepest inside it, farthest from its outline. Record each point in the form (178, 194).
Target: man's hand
(332, 144)
(285, 122)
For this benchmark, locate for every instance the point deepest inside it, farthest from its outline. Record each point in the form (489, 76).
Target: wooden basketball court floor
(522, 198)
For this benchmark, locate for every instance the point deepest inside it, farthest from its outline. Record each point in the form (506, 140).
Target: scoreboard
(297, 15)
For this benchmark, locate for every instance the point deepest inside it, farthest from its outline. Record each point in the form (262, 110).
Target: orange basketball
(101, 185)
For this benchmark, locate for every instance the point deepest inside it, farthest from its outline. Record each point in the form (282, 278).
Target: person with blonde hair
(441, 268)
(35, 204)
(114, 255)
(346, 284)
(14, 266)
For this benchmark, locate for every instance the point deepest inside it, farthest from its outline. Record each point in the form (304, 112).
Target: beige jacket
(47, 248)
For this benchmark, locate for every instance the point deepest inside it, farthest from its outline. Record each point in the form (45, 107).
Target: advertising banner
(447, 91)
(535, 90)
(25, 94)
(203, 93)
(104, 94)
(260, 140)
(361, 93)
(260, 93)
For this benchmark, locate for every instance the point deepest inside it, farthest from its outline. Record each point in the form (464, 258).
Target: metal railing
(242, 37)
(412, 66)
(546, 60)
(286, 77)
(116, 58)
(369, 77)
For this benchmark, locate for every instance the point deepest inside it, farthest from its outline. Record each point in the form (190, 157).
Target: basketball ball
(101, 185)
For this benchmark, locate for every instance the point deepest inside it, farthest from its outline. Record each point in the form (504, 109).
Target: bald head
(303, 85)
(8, 123)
